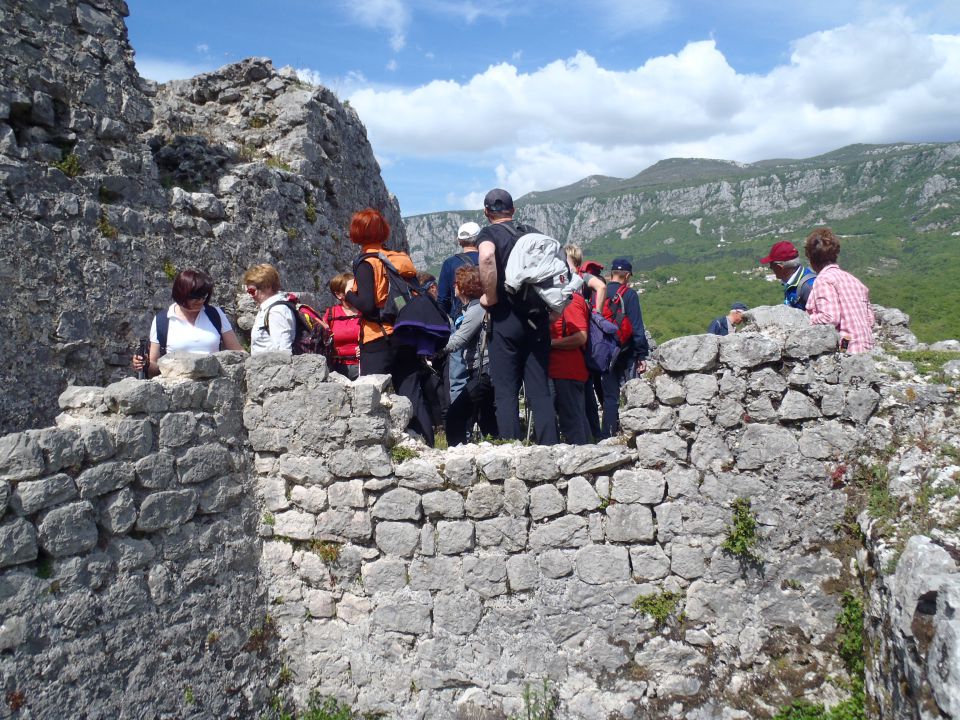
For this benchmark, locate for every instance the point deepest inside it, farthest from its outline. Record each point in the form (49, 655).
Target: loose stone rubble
(238, 517)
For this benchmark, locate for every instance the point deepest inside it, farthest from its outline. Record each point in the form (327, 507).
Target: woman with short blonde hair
(275, 327)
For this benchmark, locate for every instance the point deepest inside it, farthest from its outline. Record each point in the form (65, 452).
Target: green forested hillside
(896, 208)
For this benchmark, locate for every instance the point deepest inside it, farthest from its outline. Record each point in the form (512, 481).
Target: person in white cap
(467, 238)
(457, 372)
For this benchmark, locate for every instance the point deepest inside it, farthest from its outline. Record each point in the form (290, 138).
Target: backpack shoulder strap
(468, 258)
(163, 326)
(213, 315)
(293, 309)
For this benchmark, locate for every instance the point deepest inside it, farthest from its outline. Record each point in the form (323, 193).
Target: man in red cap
(797, 280)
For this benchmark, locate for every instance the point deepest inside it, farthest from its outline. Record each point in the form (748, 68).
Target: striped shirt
(839, 299)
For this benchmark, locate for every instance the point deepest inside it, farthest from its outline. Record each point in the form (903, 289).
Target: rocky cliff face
(112, 184)
(775, 197)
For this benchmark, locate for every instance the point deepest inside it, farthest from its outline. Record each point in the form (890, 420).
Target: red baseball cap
(781, 251)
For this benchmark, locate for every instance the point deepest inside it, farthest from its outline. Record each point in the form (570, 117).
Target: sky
(459, 96)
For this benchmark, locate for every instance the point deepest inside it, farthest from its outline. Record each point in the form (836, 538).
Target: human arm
(364, 298)
(488, 273)
(599, 288)
(465, 334)
(228, 339)
(445, 286)
(152, 368)
(823, 305)
(716, 327)
(631, 307)
(569, 342)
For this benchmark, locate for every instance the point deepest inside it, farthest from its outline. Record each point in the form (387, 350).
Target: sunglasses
(198, 296)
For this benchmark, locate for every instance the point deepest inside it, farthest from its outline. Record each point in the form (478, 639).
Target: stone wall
(129, 580)
(443, 584)
(111, 184)
(182, 545)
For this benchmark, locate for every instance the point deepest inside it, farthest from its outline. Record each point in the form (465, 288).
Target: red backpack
(312, 335)
(613, 311)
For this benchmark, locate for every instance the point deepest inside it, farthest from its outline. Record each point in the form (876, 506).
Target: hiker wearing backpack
(473, 403)
(568, 370)
(520, 338)
(190, 324)
(796, 279)
(344, 323)
(275, 326)
(456, 373)
(595, 293)
(622, 307)
(374, 295)
(468, 255)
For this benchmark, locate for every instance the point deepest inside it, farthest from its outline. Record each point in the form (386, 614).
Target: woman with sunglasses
(190, 324)
(275, 327)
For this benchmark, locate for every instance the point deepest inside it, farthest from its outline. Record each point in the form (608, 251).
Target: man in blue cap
(727, 324)
(622, 306)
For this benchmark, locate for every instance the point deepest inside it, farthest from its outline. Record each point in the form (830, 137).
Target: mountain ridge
(682, 217)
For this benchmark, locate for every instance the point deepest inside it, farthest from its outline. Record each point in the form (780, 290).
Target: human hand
(138, 362)
(641, 367)
(488, 300)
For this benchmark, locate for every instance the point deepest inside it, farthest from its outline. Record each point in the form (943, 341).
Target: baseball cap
(498, 200)
(780, 252)
(739, 306)
(621, 264)
(468, 230)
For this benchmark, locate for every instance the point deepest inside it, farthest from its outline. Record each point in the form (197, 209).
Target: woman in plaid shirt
(837, 297)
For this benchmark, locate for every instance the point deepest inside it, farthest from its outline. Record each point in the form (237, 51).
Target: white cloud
(390, 15)
(392, 65)
(203, 49)
(165, 70)
(879, 81)
(342, 86)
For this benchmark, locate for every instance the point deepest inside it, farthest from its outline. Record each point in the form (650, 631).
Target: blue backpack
(603, 346)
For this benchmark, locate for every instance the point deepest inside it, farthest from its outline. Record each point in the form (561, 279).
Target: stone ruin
(111, 184)
(243, 529)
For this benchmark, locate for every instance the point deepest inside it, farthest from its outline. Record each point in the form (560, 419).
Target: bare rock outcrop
(111, 184)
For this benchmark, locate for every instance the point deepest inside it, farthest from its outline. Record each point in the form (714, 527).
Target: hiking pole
(143, 351)
(526, 412)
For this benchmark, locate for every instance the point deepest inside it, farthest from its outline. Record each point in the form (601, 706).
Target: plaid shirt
(839, 299)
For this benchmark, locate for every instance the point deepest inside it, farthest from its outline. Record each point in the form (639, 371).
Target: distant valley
(695, 228)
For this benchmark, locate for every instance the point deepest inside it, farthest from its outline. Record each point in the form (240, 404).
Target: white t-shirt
(202, 337)
(283, 327)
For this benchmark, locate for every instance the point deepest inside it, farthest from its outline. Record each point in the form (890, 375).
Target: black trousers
(464, 411)
(520, 353)
(623, 369)
(569, 402)
(591, 393)
(381, 357)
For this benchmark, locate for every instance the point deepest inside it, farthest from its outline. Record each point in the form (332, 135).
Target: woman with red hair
(379, 354)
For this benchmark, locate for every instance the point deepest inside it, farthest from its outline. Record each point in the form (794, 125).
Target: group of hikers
(829, 295)
(464, 349)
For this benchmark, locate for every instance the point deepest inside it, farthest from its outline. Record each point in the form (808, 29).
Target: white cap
(468, 231)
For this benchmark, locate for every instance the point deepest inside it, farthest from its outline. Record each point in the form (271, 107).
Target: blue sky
(459, 97)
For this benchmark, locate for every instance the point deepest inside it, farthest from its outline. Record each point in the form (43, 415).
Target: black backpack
(400, 290)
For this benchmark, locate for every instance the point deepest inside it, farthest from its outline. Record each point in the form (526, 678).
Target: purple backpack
(603, 346)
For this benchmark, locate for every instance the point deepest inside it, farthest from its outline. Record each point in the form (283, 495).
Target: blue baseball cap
(739, 306)
(621, 264)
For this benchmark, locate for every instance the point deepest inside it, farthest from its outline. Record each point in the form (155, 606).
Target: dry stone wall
(111, 184)
(179, 546)
(129, 564)
(443, 584)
